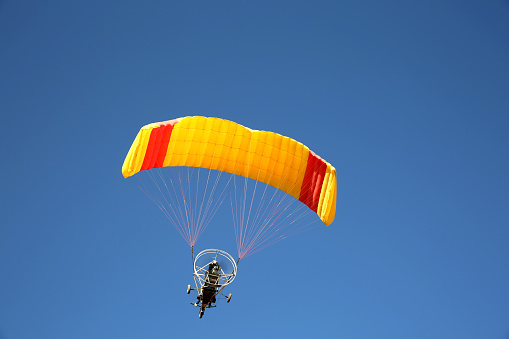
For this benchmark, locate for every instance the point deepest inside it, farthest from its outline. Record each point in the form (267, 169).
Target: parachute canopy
(226, 146)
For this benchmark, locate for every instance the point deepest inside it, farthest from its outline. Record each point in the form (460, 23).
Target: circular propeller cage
(228, 269)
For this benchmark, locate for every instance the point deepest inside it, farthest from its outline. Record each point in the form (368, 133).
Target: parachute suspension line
(182, 191)
(182, 222)
(152, 197)
(176, 197)
(244, 226)
(178, 189)
(199, 211)
(241, 210)
(249, 226)
(214, 202)
(256, 228)
(251, 229)
(179, 192)
(289, 224)
(237, 202)
(174, 192)
(212, 197)
(282, 232)
(209, 205)
(236, 227)
(274, 219)
(163, 195)
(242, 247)
(187, 204)
(193, 199)
(253, 237)
(192, 207)
(158, 202)
(234, 199)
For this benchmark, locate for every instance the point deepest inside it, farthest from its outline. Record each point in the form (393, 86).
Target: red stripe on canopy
(158, 145)
(164, 144)
(313, 181)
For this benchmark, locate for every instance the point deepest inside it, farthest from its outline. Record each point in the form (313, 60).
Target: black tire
(188, 289)
(200, 315)
(229, 298)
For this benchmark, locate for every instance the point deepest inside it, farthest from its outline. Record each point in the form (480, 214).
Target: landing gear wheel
(228, 298)
(200, 315)
(188, 289)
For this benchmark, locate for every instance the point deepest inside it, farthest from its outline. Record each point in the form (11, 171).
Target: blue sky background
(409, 100)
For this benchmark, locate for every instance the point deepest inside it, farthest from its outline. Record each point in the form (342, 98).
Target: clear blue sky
(409, 100)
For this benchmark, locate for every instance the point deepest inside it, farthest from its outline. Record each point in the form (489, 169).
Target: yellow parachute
(226, 146)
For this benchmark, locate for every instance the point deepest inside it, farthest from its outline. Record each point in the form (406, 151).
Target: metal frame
(204, 279)
(199, 271)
